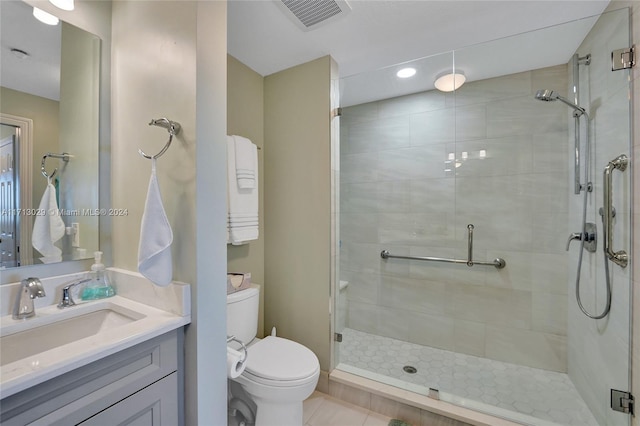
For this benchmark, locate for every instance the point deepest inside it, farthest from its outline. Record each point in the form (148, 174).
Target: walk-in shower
(418, 168)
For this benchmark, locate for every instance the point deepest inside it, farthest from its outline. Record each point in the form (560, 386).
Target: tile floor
(542, 394)
(323, 410)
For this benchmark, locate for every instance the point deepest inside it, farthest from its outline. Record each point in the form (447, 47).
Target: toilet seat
(281, 362)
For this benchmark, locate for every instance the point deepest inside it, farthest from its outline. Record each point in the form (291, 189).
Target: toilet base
(282, 414)
(277, 405)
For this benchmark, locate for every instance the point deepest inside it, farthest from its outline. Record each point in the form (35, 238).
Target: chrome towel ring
(172, 127)
(64, 157)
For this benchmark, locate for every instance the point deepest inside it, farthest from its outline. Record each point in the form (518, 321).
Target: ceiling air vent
(311, 14)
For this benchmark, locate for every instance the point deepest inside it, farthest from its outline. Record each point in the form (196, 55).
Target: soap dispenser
(98, 287)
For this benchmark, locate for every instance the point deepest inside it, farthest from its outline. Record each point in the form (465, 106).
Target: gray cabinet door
(73, 397)
(153, 406)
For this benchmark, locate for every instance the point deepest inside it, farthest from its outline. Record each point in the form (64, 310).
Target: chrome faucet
(67, 300)
(30, 288)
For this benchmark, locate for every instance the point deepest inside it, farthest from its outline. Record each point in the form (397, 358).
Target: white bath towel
(246, 154)
(156, 236)
(48, 227)
(243, 234)
(242, 203)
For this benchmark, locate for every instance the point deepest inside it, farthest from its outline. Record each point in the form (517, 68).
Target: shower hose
(587, 189)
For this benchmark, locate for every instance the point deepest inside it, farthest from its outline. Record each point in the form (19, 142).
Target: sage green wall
(79, 124)
(297, 204)
(169, 60)
(44, 113)
(245, 117)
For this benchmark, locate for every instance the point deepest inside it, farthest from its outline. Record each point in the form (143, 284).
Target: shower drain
(410, 369)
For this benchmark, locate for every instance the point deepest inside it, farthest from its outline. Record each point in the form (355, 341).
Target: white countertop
(174, 312)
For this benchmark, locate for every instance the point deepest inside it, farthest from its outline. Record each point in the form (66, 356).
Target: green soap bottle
(98, 287)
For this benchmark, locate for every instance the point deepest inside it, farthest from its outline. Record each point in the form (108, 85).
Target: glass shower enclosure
(436, 187)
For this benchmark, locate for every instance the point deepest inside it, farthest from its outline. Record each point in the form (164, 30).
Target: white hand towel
(246, 153)
(242, 203)
(48, 227)
(154, 251)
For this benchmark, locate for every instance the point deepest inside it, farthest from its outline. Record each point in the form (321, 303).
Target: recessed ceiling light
(63, 4)
(406, 72)
(44, 17)
(450, 81)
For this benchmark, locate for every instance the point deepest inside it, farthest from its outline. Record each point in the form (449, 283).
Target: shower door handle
(618, 257)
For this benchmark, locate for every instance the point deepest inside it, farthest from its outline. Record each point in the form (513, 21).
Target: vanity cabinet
(141, 385)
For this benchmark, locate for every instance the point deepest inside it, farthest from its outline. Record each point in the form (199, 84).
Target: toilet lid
(280, 359)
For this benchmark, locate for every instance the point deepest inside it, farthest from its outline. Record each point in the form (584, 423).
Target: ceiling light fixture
(450, 81)
(44, 17)
(63, 4)
(406, 72)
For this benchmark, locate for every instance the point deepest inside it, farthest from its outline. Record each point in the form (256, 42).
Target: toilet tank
(242, 313)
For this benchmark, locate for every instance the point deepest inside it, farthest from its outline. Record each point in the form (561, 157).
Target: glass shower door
(417, 169)
(598, 352)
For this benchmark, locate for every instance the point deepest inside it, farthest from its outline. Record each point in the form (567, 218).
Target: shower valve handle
(589, 236)
(574, 236)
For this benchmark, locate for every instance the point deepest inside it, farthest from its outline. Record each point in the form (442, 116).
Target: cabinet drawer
(81, 393)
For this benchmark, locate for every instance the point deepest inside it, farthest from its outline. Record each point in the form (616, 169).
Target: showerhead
(549, 95)
(546, 95)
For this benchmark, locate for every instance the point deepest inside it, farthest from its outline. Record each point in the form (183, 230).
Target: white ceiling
(39, 73)
(374, 35)
(379, 33)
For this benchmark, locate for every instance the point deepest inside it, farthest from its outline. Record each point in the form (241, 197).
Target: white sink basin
(30, 338)
(56, 341)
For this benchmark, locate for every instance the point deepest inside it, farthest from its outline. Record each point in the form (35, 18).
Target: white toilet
(279, 373)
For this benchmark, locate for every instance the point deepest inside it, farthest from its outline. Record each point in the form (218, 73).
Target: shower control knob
(574, 236)
(589, 236)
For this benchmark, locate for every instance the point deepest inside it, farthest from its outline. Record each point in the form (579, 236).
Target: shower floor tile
(546, 395)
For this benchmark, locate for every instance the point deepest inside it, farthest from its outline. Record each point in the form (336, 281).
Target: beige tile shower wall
(401, 191)
(298, 204)
(245, 117)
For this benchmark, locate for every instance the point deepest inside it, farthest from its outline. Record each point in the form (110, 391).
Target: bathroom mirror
(49, 109)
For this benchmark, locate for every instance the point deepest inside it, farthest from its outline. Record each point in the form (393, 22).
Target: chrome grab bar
(470, 245)
(498, 263)
(618, 257)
